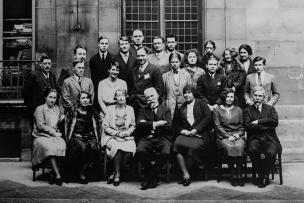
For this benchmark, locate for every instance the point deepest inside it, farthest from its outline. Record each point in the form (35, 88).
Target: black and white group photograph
(151, 101)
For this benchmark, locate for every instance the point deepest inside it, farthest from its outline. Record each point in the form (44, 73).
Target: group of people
(152, 104)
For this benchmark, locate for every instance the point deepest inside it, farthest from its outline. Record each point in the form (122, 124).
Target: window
(16, 46)
(159, 17)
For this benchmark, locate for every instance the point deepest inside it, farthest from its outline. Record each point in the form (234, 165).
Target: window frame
(162, 21)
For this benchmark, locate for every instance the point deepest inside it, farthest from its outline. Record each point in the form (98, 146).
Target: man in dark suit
(154, 126)
(138, 39)
(210, 85)
(144, 75)
(80, 52)
(36, 83)
(99, 64)
(262, 141)
(171, 43)
(73, 85)
(125, 60)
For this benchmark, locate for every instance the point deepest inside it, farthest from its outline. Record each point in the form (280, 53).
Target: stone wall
(274, 29)
(55, 20)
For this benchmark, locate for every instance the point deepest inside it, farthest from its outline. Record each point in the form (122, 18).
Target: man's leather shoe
(153, 183)
(262, 183)
(145, 185)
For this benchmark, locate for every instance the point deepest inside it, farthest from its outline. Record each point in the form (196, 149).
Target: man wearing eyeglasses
(36, 84)
(160, 57)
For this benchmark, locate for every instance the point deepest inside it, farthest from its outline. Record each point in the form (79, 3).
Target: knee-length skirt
(193, 147)
(235, 148)
(113, 145)
(44, 147)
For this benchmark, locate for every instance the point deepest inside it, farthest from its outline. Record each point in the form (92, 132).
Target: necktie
(154, 112)
(258, 108)
(103, 57)
(79, 81)
(259, 80)
(175, 71)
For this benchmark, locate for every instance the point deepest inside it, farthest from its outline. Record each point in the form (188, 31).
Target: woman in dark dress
(193, 138)
(83, 135)
(235, 75)
(229, 128)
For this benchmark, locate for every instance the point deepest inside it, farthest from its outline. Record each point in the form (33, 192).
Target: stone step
(291, 135)
(290, 111)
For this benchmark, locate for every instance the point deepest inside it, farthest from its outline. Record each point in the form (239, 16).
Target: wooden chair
(167, 168)
(221, 159)
(278, 164)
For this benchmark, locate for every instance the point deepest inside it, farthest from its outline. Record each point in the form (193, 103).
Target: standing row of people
(170, 96)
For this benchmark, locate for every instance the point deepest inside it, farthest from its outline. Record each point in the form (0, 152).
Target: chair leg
(105, 165)
(34, 175)
(167, 171)
(206, 173)
(280, 169)
(245, 167)
(219, 168)
(139, 170)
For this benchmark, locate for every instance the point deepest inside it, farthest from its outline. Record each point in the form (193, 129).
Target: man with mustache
(36, 83)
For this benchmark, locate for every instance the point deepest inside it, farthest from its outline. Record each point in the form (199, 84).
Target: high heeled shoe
(83, 181)
(186, 181)
(58, 181)
(110, 179)
(116, 181)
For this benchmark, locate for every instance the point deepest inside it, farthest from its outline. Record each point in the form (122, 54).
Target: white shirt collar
(105, 54)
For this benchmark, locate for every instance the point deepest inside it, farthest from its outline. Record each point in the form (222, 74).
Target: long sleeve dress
(229, 121)
(114, 123)
(46, 143)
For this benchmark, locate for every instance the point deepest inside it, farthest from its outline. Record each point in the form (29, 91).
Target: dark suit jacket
(202, 119)
(125, 72)
(151, 77)
(34, 87)
(99, 68)
(267, 122)
(210, 89)
(133, 50)
(144, 127)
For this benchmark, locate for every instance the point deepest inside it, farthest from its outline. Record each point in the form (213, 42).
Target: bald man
(154, 128)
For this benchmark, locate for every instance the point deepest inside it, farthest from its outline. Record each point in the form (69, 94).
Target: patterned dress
(115, 123)
(45, 129)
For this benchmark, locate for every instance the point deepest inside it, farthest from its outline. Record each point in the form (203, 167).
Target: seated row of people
(190, 136)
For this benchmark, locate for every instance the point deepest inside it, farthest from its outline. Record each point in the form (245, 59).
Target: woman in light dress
(119, 124)
(48, 144)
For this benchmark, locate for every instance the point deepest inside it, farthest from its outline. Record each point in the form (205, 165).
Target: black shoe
(83, 181)
(180, 181)
(110, 180)
(234, 182)
(186, 181)
(145, 185)
(116, 181)
(52, 180)
(153, 183)
(241, 182)
(262, 183)
(58, 181)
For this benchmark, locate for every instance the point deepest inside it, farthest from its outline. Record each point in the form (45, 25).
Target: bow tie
(175, 72)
